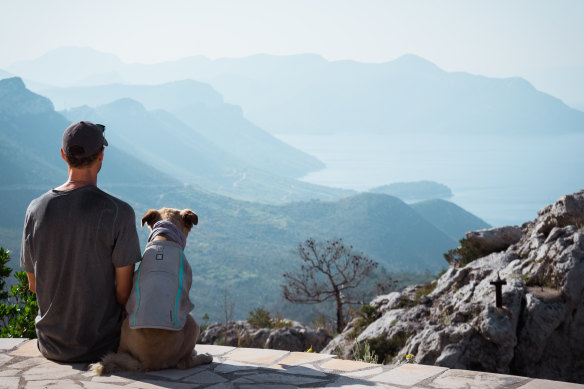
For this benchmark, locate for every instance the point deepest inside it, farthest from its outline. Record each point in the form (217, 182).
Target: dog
(159, 332)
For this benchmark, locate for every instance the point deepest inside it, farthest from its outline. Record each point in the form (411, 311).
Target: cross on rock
(499, 290)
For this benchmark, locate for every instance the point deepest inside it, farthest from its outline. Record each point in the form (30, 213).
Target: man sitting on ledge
(79, 247)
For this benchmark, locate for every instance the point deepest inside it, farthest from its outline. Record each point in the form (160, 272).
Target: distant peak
(414, 62)
(16, 100)
(126, 103)
(12, 82)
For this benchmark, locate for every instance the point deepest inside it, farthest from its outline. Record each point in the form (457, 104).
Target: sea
(502, 179)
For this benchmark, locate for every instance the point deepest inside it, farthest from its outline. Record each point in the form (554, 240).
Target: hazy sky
(494, 37)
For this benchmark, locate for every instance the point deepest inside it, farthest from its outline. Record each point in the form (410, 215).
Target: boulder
(493, 240)
(296, 337)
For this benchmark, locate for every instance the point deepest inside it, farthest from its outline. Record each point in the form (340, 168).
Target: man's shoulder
(122, 206)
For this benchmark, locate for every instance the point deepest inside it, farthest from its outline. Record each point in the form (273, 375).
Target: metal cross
(499, 290)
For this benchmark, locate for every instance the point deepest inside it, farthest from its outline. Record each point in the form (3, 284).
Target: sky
(494, 38)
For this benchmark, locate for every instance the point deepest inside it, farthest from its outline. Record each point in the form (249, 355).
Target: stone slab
(275, 378)
(232, 366)
(28, 349)
(29, 363)
(110, 379)
(212, 349)
(4, 359)
(303, 370)
(365, 373)
(154, 384)
(547, 384)
(465, 379)
(100, 385)
(9, 382)
(9, 373)
(205, 378)
(52, 371)
(298, 358)
(53, 384)
(408, 374)
(258, 356)
(10, 343)
(346, 365)
(173, 374)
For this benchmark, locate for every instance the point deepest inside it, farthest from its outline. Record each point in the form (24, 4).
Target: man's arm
(31, 282)
(124, 280)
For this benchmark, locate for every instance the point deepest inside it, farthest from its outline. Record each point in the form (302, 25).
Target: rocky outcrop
(493, 240)
(296, 337)
(453, 321)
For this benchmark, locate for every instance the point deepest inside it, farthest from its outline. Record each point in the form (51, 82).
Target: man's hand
(124, 280)
(31, 282)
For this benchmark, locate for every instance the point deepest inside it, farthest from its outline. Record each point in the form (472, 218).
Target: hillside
(449, 217)
(415, 191)
(162, 141)
(238, 247)
(202, 108)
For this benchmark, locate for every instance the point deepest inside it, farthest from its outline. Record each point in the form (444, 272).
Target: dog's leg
(193, 360)
(114, 362)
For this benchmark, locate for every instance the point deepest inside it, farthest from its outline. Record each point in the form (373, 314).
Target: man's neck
(79, 178)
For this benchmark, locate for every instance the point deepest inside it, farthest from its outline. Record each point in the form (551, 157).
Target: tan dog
(143, 349)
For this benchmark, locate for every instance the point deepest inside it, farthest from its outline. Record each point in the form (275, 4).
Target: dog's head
(185, 219)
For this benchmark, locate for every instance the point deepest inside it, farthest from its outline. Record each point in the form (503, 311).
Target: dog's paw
(202, 359)
(97, 368)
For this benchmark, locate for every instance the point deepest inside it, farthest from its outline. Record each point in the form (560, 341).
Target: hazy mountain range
(306, 93)
(240, 247)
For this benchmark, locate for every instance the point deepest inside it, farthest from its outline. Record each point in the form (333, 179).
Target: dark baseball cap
(83, 139)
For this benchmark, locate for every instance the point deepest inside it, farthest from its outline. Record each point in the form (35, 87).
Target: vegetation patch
(363, 353)
(18, 309)
(365, 316)
(426, 289)
(387, 348)
(463, 254)
(260, 318)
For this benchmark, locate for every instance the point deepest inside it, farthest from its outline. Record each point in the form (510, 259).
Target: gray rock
(493, 240)
(297, 337)
(538, 331)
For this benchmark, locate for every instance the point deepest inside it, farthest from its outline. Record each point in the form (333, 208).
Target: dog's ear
(189, 218)
(151, 217)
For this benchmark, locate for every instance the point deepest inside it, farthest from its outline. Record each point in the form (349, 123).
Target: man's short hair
(80, 162)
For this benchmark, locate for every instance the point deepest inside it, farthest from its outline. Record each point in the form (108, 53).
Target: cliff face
(453, 322)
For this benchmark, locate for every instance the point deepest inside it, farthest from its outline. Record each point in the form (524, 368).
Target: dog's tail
(114, 362)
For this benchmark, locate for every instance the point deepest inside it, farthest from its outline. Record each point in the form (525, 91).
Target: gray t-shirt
(72, 242)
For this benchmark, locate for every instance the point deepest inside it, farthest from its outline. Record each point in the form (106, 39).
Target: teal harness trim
(137, 295)
(180, 285)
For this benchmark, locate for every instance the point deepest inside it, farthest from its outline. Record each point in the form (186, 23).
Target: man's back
(72, 242)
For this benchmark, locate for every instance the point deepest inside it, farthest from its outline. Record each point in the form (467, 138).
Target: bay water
(502, 179)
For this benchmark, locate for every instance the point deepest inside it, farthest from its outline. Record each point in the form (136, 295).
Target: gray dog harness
(160, 296)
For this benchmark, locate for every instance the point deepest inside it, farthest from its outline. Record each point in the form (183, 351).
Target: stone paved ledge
(22, 367)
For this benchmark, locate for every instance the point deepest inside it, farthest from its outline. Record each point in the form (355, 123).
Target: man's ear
(189, 218)
(151, 217)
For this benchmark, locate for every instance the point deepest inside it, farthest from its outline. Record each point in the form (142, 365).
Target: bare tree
(228, 305)
(330, 270)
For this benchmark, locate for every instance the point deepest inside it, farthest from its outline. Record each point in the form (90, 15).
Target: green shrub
(4, 273)
(463, 254)
(363, 353)
(280, 322)
(260, 318)
(366, 315)
(16, 318)
(387, 348)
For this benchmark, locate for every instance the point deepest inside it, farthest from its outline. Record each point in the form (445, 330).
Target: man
(79, 247)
